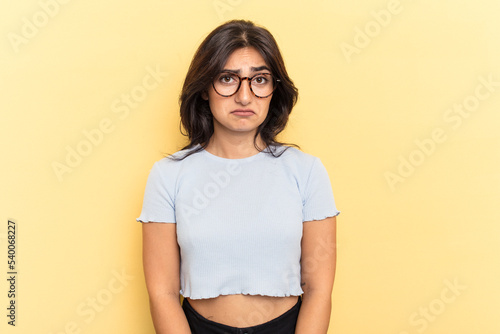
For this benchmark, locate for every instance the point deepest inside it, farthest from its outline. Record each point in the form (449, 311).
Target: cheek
(264, 106)
(217, 108)
(215, 102)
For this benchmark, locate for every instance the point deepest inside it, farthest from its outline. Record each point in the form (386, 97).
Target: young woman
(239, 224)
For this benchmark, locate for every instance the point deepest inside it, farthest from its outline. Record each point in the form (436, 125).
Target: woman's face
(242, 112)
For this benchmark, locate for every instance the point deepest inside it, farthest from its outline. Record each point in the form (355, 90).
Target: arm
(161, 269)
(317, 275)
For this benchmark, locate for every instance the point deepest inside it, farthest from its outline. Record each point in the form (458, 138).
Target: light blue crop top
(239, 221)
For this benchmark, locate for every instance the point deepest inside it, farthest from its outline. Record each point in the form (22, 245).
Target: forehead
(245, 59)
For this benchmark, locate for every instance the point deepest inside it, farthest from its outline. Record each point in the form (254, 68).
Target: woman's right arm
(161, 262)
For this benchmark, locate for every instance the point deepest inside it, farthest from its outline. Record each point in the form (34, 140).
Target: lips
(243, 112)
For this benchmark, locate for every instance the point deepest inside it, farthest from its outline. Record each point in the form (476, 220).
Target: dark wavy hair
(209, 60)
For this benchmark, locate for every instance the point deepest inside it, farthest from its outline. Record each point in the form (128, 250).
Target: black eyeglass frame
(249, 84)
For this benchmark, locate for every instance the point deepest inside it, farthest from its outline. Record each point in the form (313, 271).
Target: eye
(227, 79)
(261, 79)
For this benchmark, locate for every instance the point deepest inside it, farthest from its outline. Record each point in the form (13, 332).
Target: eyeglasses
(262, 85)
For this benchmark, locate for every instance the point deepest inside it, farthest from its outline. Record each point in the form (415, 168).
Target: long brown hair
(209, 60)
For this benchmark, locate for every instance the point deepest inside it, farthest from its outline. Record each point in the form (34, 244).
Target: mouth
(243, 112)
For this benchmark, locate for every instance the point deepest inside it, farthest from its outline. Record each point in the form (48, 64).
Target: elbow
(318, 293)
(159, 295)
(321, 299)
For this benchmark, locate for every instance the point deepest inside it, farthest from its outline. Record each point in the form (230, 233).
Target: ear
(204, 95)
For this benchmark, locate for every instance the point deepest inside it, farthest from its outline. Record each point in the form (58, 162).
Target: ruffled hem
(214, 295)
(324, 216)
(153, 220)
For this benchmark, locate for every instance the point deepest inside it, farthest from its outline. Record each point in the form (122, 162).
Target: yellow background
(401, 243)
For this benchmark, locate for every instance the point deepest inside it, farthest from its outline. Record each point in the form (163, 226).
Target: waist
(243, 310)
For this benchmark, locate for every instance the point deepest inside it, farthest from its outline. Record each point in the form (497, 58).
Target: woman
(239, 224)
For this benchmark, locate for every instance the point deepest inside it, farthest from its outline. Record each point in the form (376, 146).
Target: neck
(234, 147)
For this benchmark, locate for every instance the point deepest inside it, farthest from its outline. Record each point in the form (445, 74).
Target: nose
(244, 94)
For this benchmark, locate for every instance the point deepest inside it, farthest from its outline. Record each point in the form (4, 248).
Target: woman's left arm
(318, 263)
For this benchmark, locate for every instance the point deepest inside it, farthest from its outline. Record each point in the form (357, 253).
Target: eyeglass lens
(227, 84)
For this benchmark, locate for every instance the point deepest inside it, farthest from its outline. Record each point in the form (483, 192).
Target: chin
(243, 130)
(243, 127)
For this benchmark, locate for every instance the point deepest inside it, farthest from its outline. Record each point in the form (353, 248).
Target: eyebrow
(253, 69)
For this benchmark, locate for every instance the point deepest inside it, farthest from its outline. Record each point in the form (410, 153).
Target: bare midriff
(242, 310)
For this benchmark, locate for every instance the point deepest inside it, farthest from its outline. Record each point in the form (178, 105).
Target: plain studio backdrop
(399, 99)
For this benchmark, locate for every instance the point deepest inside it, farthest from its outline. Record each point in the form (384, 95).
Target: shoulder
(180, 157)
(172, 164)
(296, 163)
(293, 156)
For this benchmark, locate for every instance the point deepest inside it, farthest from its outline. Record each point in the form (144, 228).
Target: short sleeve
(318, 201)
(158, 205)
